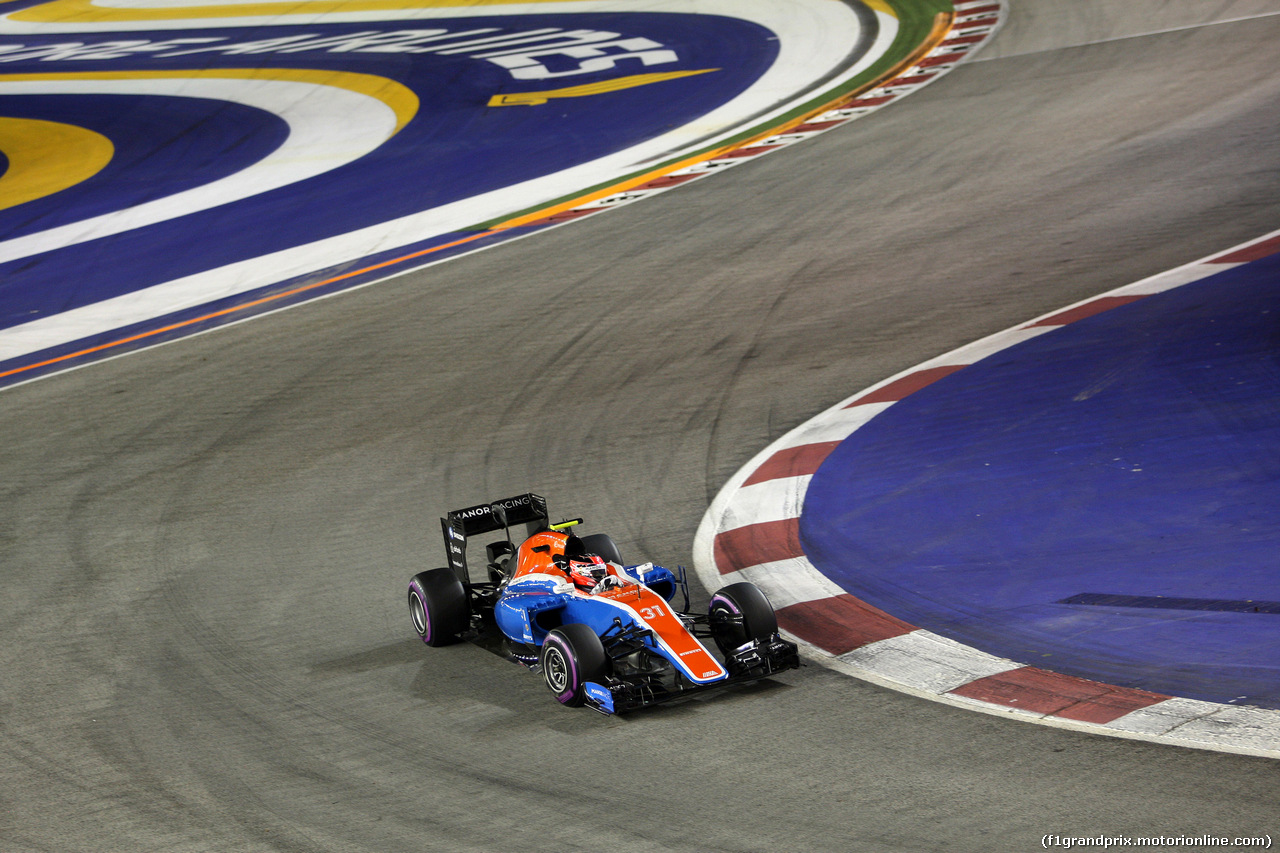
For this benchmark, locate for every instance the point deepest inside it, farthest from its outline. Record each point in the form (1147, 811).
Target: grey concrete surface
(204, 547)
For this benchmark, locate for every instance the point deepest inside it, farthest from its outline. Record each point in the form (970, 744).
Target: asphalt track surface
(203, 643)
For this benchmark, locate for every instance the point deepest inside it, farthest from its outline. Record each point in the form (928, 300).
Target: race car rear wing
(461, 524)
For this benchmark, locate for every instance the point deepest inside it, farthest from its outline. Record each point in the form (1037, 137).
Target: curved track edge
(924, 51)
(751, 532)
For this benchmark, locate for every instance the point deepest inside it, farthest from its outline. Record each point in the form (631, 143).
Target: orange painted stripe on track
(941, 28)
(228, 311)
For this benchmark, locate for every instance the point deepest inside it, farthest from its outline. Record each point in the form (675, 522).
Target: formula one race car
(603, 634)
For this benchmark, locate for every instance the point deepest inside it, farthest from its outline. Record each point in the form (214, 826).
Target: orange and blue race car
(602, 633)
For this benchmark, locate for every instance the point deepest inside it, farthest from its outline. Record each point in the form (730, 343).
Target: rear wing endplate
(461, 524)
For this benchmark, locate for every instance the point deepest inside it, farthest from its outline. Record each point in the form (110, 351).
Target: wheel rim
(418, 612)
(556, 670)
(728, 635)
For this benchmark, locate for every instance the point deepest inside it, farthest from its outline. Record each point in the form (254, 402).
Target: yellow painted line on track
(46, 157)
(942, 25)
(400, 98)
(615, 85)
(226, 312)
(87, 12)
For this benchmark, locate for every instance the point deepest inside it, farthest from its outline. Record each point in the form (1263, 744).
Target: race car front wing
(750, 662)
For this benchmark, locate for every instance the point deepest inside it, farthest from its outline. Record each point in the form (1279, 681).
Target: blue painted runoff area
(1102, 501)
(456, 146)
(273, 297)
(162, 146)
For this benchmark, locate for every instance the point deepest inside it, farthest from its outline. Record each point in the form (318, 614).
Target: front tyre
(438, 606)
(571, 656)
(741, 614)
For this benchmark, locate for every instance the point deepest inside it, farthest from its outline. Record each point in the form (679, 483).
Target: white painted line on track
(329, 126)
(758, 510)
(813, 41)
(925, 664)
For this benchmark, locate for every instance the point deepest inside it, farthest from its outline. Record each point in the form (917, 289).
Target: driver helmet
(587, 570)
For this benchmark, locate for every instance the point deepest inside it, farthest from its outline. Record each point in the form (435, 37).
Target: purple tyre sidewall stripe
(727, 602)
(566, 653)
(415, 591)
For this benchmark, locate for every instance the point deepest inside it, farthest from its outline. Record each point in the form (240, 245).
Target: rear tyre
(602, 544)
(571, 656)
(741, 614)
(438, 606)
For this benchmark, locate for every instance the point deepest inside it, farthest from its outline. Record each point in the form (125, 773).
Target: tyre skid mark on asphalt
(751, 532)
(36, 352)
(904, 78)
